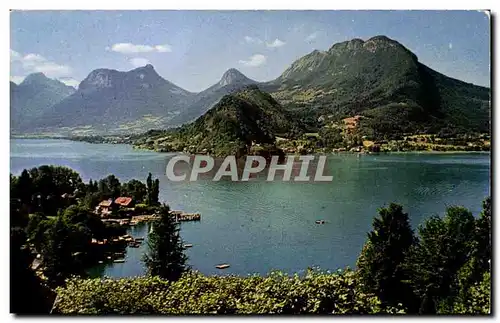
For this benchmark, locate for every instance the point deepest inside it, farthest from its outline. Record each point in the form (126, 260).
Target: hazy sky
(193, 48)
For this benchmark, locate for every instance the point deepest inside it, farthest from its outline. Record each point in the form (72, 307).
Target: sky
(193, 49)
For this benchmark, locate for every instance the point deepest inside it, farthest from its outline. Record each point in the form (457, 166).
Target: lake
(258, 226)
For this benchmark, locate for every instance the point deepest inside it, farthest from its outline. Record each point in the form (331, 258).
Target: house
(104, 208)
(124, 201)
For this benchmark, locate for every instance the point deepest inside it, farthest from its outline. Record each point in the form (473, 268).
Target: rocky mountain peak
(232, 76)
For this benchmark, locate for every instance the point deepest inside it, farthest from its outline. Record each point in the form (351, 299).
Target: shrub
(194, 293)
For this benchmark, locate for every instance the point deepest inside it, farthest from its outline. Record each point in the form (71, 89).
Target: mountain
(33, 97)
(108, 99)
(385, 83)
(232, 80)
(378, 82)
(230, 126)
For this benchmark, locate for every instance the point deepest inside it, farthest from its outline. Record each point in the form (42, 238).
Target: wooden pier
(181, 216)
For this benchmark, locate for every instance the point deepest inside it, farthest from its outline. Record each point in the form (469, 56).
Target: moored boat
(222, 266)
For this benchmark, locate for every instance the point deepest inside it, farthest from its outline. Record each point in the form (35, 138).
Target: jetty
(137, 219)
(181, 216)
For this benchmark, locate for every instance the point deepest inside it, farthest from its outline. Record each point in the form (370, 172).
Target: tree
(155, 192)
(92, 199)
(482, 248)
(57, 252)
(471, 275)
(135, 189)
(23, 188)
(478, 299)
(27, 293)
(36, 228)
(41, 189)
(380, 263)
(149, 183)
(445, 245)
(109, 187)
(165, 256)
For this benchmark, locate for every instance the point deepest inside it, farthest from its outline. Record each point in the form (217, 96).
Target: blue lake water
(258, 226)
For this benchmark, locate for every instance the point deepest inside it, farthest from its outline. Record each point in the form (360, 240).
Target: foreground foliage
(165, 255)
(194, 293)
(445, 269)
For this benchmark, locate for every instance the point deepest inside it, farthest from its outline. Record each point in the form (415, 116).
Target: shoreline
(314, 152)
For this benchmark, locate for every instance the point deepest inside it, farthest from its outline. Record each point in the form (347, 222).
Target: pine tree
(165, 256)
(149, 187)
(155, 192)
(380, 262)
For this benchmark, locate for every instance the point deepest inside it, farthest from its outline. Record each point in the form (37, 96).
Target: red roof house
(124, 201)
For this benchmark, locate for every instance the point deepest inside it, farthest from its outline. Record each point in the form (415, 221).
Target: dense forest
(442, 267)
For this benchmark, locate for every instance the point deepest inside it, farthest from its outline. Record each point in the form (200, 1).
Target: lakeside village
(345, 136)
(130, 214)
(124, 212)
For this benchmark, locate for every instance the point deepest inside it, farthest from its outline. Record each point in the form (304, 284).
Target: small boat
(188, 245)
(139, 239)
(109, 257)
(119, 260)
(134, 245)
(222, 266)
(320, 221)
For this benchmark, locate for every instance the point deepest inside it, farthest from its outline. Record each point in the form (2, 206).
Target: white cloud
(34, 58)
(254, 60)
(33, 63)
(253, 40)
(17, 79)
(14, 56)
(129, 48)
(138, 61)
(163, 48)
(276, 43)
(70, 82)
(312, 37)
(52, 69)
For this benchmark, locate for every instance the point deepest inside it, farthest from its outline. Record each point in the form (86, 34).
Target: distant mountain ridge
(33, 97)
(379, 79)
(231, 81)
(109, 98)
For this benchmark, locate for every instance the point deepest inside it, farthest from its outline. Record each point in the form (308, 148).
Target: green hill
(238, 121)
